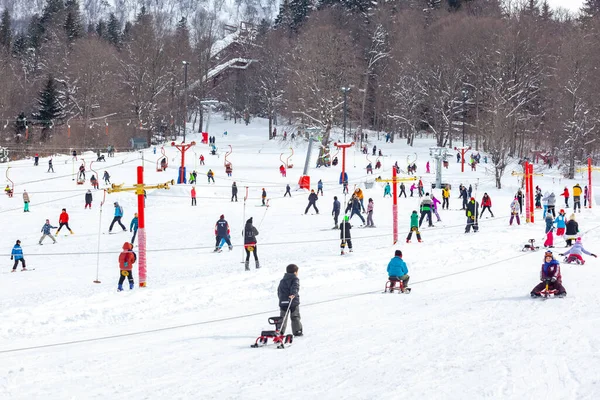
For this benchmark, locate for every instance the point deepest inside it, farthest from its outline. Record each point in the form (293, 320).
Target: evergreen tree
(5, 31)
(590, 9)
(127, 32)
(545, 11)
(292, 13)
(73, 25)
(532, 8)
(101, 29)
(361, 6)
(35, 32)
(52, 8)
(113, 31)
(20, 125)
(19, 46)
(50, 109)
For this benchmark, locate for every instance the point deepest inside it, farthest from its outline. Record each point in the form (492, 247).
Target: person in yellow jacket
(359, 194)
(576, 197)
(446, 197)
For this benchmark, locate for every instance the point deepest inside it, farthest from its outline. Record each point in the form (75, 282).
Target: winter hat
(561, 211)
(222, 216)
(127, 246)
(346, 218)
(398, 253)
(249, 220)
(472, 198)
(414, 211)
(579, 240)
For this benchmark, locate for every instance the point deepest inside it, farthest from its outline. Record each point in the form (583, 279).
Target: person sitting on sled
(397, 271)
(550, 277)
(575, 252)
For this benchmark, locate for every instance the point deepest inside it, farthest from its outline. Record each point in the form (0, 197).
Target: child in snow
(63, 220)
(25, 201)
(538, 198)
(414, 227)
(193, 194)
(126, 260)
(561, 223)
(133, 227)
(46, 232)
(572, 229)
(370, 214)
(287, 293)
(88, 199)
(514, 211)
(17, 255)
(250, 234)
(434, 203)
(345, 234)
(222, 232)
(412, 188)
(387, 190)
(486, 203)
(397, 271)
(320, 187)
(106, 178)
(575, 252)
(549, 231)
(550, 275)
(565, 193)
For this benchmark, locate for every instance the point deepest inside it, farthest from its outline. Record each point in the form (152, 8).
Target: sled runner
(275, 335)
(390, 286)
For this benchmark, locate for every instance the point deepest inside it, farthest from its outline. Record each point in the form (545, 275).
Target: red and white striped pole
(395, 205)
(141, 227)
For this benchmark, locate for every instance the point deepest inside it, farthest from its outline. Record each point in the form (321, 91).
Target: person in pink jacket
(370, 214)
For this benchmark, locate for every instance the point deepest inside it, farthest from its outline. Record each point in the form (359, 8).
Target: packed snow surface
(468, 330)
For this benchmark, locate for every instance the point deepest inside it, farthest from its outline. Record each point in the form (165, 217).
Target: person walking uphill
(398, 272)
(25, 201)
(117, 218)
(263, 196)
(46, 232)
(133, 227)
(63, 220)
(222, 232)
(370, 206)
(250, 234)
(336, 211)
(17, 255)
(126, 260)
(472, 215)
(312, 200)
(345, 235)
(289, 297)
(486, 203)
(414, 227)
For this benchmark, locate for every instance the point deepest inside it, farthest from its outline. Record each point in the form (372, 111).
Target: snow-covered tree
(50, 110)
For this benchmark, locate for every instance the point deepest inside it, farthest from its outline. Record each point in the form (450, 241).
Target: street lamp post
(185, 65)
(465, 93)
(345, 90)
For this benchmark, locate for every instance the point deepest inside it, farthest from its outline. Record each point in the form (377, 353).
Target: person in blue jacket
(387, 190)
(397, 270)
(561, 223)
(117, 218)
(17, 255)
(133, 227)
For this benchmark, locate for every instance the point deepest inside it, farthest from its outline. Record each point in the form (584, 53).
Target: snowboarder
(486, 204)
(312, 199)
(414, 227)
(426, 210)
(234, 191)
(117, 217)
(263, 196)
(402, 190)
(50, 167)
(551, 200)
(446, 197)
(514, 211)
(94, 182)
(575, 252)
(397, 271)
(106, 178)
(370, 214)
(193, 193)
(565, 193)
(133, 227)
(561, 223)
(572, 229)
(250, 233)
(25, 201)
(549, 231)
(320, 187)
(46, 232)
(472, 215)
(289, 297)
(287, 190)
(387, 190)
(17, 255)
(126, 260)
(222, 232)
(336, 211)
(577, 197)
(345, 234)
(550, 277)
(63, 220)
(210, 175)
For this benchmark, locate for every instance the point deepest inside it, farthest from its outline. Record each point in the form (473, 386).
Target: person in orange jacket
(193, 195)
(565, 193)
(126, 260)
(63, 220)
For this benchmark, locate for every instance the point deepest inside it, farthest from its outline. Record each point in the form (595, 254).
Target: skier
(549, 243)
(63, 220)
(486, 204)
(263, 196)
(538, 198)
(117, 218)
(551, 200)
(465, 197)
(287, 292)
(585, 196)
(359, 195)
(345, 234)
(17, 255)
(94, 182)
(434, 204)
(550, 276)
(210, 175)
(234, 191)
(397, 271)
(565, 193)
(575, 252)
(427, 170)
(36, 159)
(25, 201)
(222, 232)
(572, 230)
(355, 207)
(345, 186)
(426, 210)
(81, 173)
(519, 196)
(561, 223)
(320, 187)
(201, 159)
(336, 211)
(50, 167)
(472, 215)
(412, 188)
(126, 260)
(402, 190)
(250, 233)
(287, 190)
(133, 227)
(106, 178)
(370, 214)
(312, 199)
(577, 197)
(446, 197)
(514, 211)
(414, 227)
(46, 232)
(193, 193)
(387, 190)
(470, 191)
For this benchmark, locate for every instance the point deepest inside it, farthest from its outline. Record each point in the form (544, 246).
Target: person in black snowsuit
(222, 232)
(250, 233)
(88, 199)
(50, 167)
(345, 234)
(287, 190)
(472, 214)
(234, 190)
(572, 230)
(470, 191)
(465, 197)
(336, 211)
(288, 291)
(402, 190)
(520, 197)
(106, 177)
(312, 200)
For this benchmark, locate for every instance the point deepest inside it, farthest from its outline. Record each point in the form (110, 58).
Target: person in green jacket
(133, 227)
(414, 227)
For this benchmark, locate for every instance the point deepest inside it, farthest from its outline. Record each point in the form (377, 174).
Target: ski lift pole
(99, 236)
(395, 179)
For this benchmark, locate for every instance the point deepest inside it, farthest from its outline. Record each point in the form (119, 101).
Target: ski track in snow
(468, 328)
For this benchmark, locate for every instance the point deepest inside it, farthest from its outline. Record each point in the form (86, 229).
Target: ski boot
(407, 241)
(120, 288)
(247, 264)
(230, 248)
(131, 286)
(257, 264)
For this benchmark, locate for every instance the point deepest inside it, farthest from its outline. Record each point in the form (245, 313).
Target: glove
(11, 257)
(560, 254)
(553, 279)
(595, 256)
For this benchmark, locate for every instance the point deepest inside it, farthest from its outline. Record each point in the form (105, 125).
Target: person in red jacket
(63, 220)
(565, 193)
(126, 260)
(486, 203)
(193, 195)
(201, 159)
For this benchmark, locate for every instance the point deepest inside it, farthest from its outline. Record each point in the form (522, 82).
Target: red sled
(276, 336)
(390, 286)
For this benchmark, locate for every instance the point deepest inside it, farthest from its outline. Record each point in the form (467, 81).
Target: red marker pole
(590, 182)
(141, 227)
(531, 204)
(395, 205)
